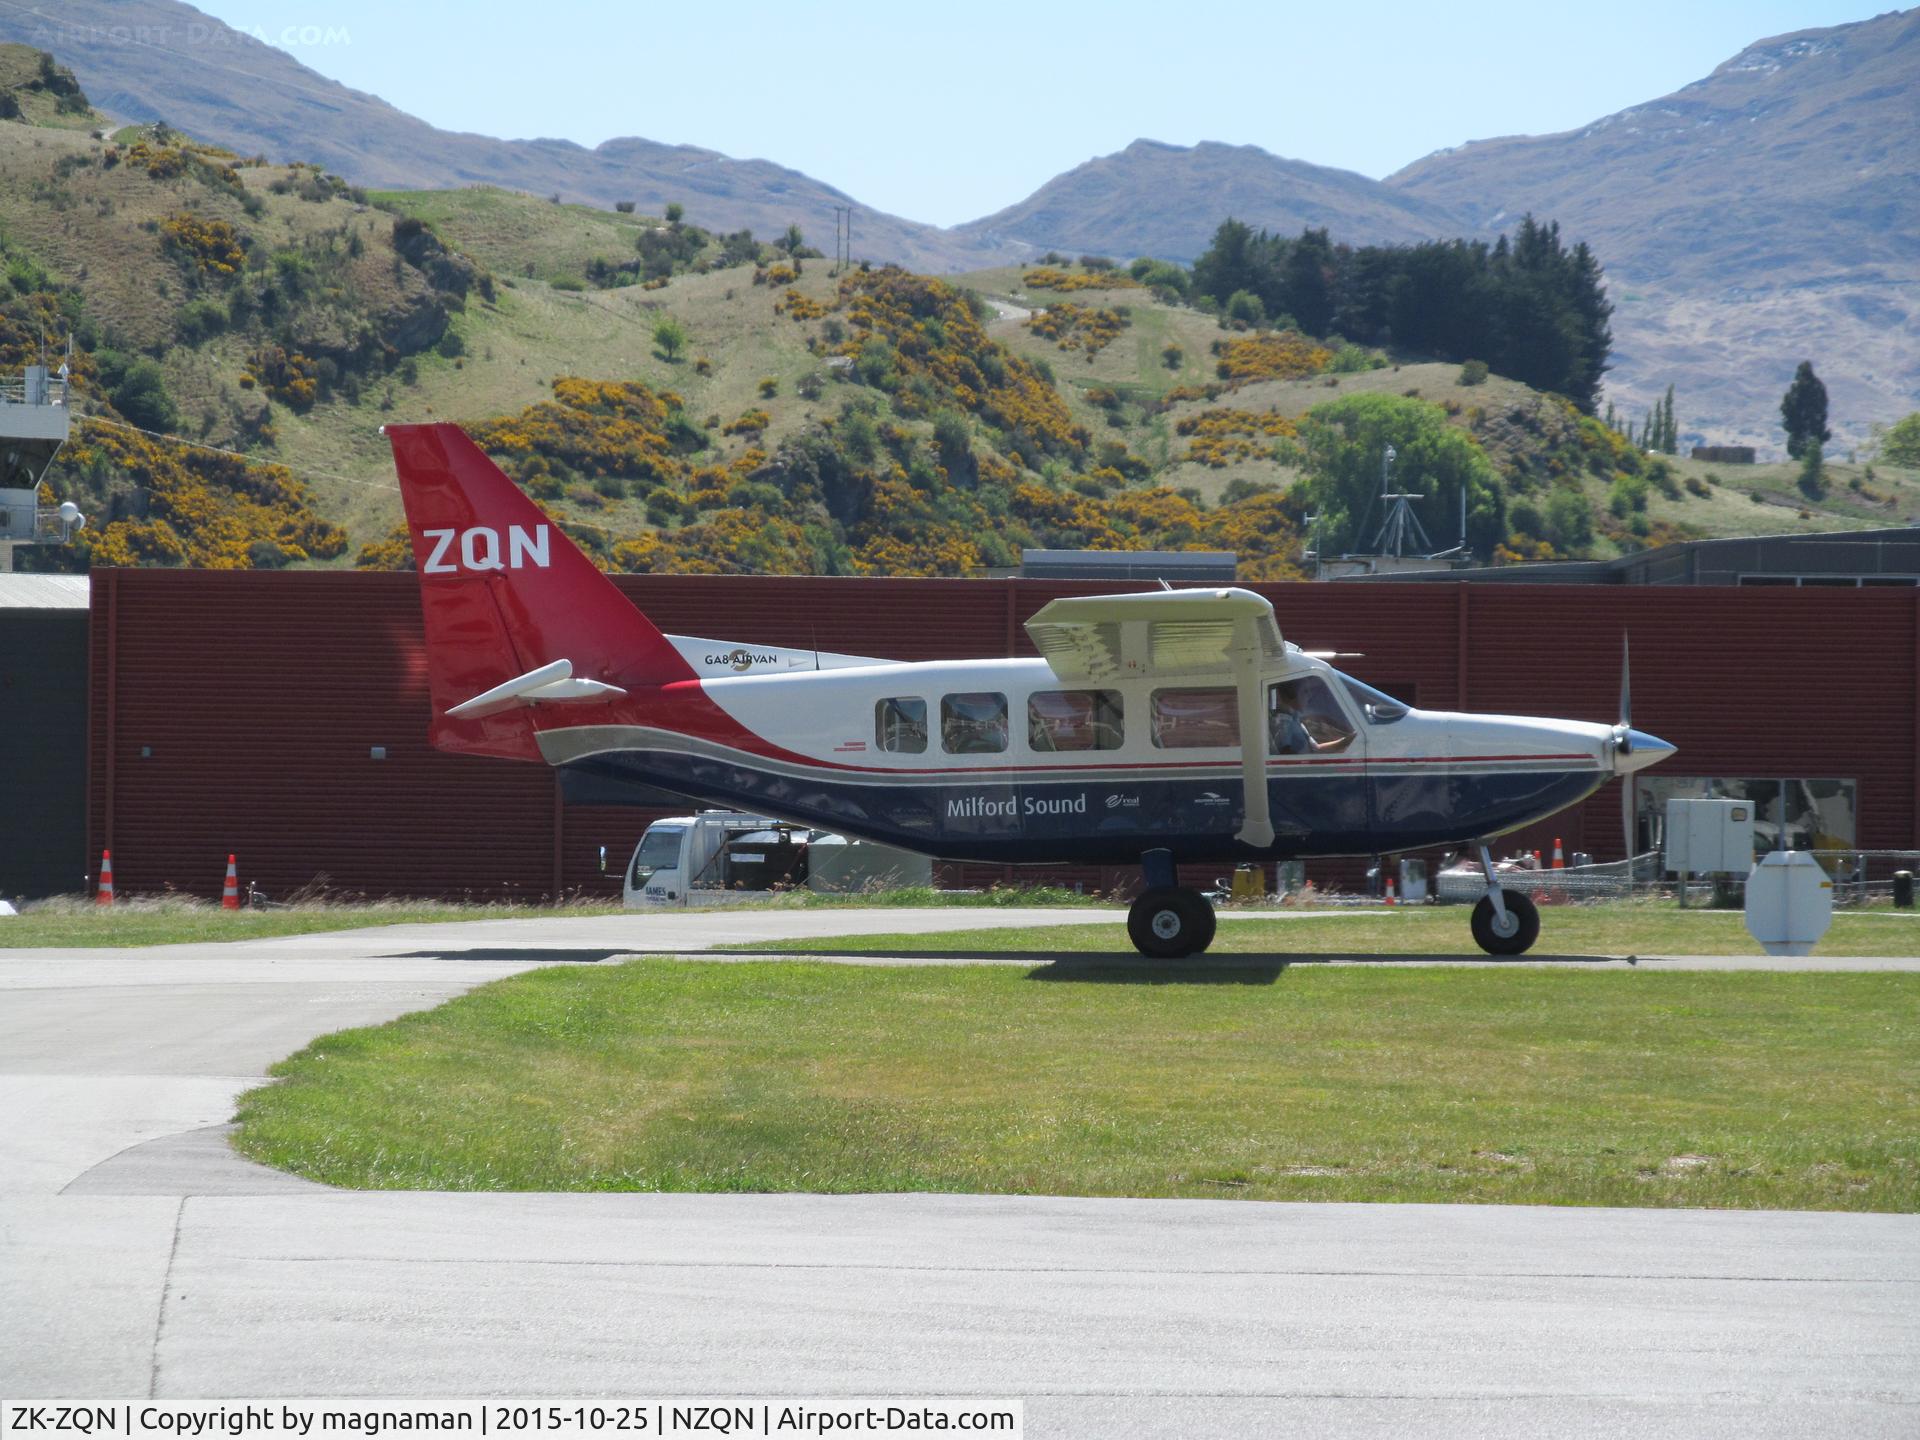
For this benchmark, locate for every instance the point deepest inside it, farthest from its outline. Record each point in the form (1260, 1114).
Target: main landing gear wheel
(1169, 921)
(1516, 937)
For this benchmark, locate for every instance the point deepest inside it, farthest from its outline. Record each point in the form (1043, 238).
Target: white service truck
(718, 857)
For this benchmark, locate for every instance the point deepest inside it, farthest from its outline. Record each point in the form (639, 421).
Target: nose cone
(1635, 750)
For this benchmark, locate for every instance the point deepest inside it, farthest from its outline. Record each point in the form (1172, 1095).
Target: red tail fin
(504, 592)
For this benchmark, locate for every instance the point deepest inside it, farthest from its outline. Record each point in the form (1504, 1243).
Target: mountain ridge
(1766, 213)
(146, 60)
(1101, 204)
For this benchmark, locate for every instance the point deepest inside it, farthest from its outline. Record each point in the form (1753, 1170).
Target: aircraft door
(1316, 766)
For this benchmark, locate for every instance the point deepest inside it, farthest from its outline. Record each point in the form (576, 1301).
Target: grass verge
(1636, 928)
(177, 920)
(1227, 1078)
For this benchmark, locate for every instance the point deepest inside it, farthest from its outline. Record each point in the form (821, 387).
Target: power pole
(842, 237)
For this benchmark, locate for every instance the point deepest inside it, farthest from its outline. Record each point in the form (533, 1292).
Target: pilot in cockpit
(1285, 734)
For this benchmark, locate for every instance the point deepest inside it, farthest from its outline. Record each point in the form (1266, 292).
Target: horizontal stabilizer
(552, 681)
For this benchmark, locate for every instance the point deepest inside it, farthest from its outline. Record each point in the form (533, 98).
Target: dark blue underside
(1107, 822)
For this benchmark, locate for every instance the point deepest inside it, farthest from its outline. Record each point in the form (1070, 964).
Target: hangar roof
(44, 592)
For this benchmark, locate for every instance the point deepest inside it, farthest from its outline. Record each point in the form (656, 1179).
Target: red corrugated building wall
(239, 711)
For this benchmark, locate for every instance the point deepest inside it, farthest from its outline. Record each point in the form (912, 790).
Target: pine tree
(1669, 430)
(1803, 411)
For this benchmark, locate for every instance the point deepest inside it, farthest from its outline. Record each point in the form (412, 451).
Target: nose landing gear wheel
(1516, 937)
(1169, 921)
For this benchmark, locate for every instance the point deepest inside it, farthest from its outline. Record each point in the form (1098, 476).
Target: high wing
(1154, 632)
(1089, 638)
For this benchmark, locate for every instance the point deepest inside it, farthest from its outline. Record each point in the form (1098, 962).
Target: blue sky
(946, 113)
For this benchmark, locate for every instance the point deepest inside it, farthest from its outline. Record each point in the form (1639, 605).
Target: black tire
(1169, 921)
(1522, 918)
(1209, 924)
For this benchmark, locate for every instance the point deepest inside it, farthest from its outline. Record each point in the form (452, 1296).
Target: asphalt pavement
(139, 1256)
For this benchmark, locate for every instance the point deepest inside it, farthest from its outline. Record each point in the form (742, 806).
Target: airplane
(1120, 744)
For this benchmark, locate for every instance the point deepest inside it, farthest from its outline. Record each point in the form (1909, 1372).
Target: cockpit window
(1304, 718)
(1378, 706)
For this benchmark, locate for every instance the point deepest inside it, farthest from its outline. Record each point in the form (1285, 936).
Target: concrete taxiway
(139, 1256)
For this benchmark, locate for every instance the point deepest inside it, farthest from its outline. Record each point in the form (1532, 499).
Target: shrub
(1078, 327)
(1171, 356)
(213, 247)
(141, 396)
(670, 336)
(1627, 496)
(1278, 355)
(1161, 276)
(200, 320)
(769, 387)
(450, 345)
(1474, 372)
(623, 207)
(1352, 359)
(1245, 310)
(675, 212)
(1221, 437)
(1812, 480)
(1048, 278)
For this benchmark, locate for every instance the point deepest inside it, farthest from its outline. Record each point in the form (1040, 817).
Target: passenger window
(900, 725)
(1074, 720)
(973, 723)
(1303, 718)
(1195, 719)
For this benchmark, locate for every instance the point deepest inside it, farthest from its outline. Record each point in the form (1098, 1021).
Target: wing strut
(1245, 653)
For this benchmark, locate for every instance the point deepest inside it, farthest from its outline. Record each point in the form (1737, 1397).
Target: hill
(1166, 200)
(182, 66)
(1765, 214)
(682, 400)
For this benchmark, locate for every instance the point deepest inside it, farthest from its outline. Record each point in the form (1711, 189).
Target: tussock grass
(1225, 1079)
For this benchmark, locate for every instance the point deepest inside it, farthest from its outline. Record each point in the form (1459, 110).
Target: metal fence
(1860, 877)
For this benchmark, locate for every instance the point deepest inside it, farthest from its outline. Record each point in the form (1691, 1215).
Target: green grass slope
(290, 315)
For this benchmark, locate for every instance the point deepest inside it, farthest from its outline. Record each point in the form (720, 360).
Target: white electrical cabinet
(1709, 837)
(1789, 902)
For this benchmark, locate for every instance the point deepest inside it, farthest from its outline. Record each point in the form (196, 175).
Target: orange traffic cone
(1559, 860)
(230, 894)
(1390, 897)
(104, 896)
